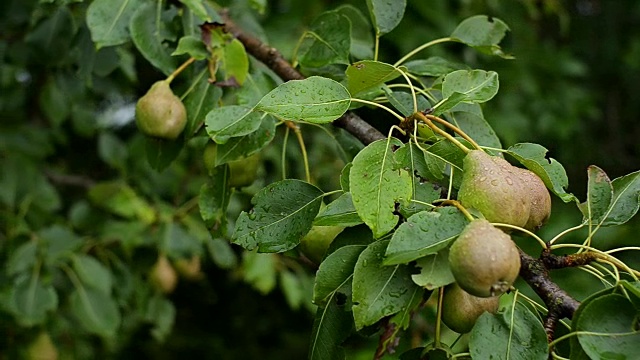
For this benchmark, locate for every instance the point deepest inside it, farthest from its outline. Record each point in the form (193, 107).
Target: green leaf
(599, 195)
(403, 101)
(613, 321)
(97, 313)
(626, 199)
(332, 325)
(214, 200)
(292, 290)
(161, 313)
(54, 102)
(336, 273)
(361, 38)
(379, 290)
(202, 98)
(477, 127)
(377, 184)
(424, 233)
(368, 74)
(435, 271)
(23, 258)
(92, 273)
(386, 15)
(327, 41)
(112, 150)
(259, 270)
(120, 199)
(552, 173)
(433, 66)
(283, 213)
(234, 61)
(230, 121)
(315, 99)
(198, 9)
(482, 33)
(477, 86)
(52, 38)
(108, 21)
(419, 163)
(339, 212)
(149, 38)
(448, 103)
(510, 334)
(344, 177)
(221, 253)
(192, 46)
(244, 146)
(30, 300)
(161, 153)
(60, 242)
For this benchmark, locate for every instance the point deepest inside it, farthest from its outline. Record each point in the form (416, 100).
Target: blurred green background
(572, 87)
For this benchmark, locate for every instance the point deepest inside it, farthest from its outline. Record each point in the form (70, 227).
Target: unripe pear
(491, 185)
(190, 269)
(242, 172)
(159, 113)
(42, 348)
(315, 244)
(163, 276)
(540, 199)
(460, 310)
(484, 260)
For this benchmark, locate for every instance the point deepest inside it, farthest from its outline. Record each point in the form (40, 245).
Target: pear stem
(436, 129)
(455, 129)
(457, 204)
(180, 69)
(436, 339)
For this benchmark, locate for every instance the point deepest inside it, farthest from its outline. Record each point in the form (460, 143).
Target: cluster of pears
(160, 113)
(484, 259)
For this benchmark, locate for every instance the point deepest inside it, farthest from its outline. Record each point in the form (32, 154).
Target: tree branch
(274, 60)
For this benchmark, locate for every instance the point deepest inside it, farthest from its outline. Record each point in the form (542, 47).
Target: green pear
(460, 310)
(42, 348)
(540, 199)
(163, 276)
(484, 260)
(315, 244)
(491, 185)
(161, 114)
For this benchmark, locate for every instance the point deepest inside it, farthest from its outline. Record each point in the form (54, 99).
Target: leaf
(244, 146)
(259, 270)
(332, 325)
(97, 313)
(510, 334)
(613, 321)
(234, 61)
(477, 86)
(30, 300)
(292, 289)
(377, 184)
(60, 242)
(23, 258)
(336, 273)
(221, 253)
(283, 213)
(327, 41)
(339, 212)
(314, 99)
(161, 153)
(198, 9)
(403, 101)
(54, 102)
(419, 163)
(92, 273)
(225, 122)
(108, 21)
(120, 199)
(386, 15)
(361, 38)
(433, 66)
(148, 38)
(192, 46)
(477, 127)
(202, 98)
(214, 200)
(599, 195)
(435, 271)
(424, 233)
(626, 199)
(161, 313)
(448, 103)
(379, 290)
(552, 173)
(368, 74)
(482, 33)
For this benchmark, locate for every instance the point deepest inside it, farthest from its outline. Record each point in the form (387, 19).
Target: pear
(163, 276)
(491, 185)
(42, 348)
(161, 114)
(540, 199)
(484, 260)
(460, 310)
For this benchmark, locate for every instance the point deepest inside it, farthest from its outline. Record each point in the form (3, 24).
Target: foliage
(99, 220)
